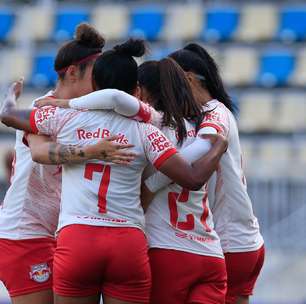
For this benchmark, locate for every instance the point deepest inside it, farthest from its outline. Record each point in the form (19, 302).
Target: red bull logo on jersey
(158, 141)
(40, 273)
(100, 133)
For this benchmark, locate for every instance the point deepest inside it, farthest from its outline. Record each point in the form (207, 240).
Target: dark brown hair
(170, 90)
(80, 51)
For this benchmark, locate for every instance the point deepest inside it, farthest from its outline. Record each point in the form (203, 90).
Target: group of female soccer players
(144, 225)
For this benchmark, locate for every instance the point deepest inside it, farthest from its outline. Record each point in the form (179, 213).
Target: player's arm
(194, 176)
(158, 180)
(191, 153)
(46, 151)
(163, 155)
(9, 114)
(107, 99)
(146, 197)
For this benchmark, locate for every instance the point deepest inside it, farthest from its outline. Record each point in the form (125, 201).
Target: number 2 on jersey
(90, 168)
(183, 197)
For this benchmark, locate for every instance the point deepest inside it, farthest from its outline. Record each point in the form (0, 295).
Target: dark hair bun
(88, 36)
(132, 47)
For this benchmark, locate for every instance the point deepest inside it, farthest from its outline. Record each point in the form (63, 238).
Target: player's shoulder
(216, 110)
(215, 106)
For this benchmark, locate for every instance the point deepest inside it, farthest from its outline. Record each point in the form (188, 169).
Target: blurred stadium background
(261, 52)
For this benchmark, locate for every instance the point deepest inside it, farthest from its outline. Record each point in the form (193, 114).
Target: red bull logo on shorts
(40, 273)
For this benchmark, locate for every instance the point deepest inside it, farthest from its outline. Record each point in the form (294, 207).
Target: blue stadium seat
(275, 68)
(43, 74)
(220, 24)
(7, 20)
(293, 23)
(66, 21)
(147, 22)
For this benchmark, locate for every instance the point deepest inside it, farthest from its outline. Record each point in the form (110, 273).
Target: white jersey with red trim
(234, 219)
(31, 204)
(99, 193)
(180, 219)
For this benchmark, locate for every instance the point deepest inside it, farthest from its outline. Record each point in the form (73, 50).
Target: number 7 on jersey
(90, 168)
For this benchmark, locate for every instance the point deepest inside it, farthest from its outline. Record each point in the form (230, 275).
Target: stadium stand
(275, 66)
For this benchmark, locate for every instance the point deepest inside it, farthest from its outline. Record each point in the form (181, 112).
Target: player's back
(230, 203)
(99, 193)
(181, 219)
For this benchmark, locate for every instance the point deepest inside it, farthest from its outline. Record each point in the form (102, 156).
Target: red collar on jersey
(86, 59)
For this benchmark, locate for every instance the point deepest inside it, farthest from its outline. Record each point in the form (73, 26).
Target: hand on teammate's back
(110, 151)
(216, 139)
(50, 101)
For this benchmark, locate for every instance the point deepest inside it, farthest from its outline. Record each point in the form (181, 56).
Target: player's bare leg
(95, 299)
(41, 297)
(108, 300)
(243, 300)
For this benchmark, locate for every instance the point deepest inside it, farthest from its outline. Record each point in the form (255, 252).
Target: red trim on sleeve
(33, 122)
(208, 124)
(164, 157)
(144, 113)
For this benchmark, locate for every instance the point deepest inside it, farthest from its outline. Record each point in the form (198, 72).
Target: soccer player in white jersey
(185, 252)
(29, 213)
(100, 201)
(232, 209)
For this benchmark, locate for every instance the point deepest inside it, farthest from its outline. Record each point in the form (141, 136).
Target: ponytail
(166, 83)
(196, 59)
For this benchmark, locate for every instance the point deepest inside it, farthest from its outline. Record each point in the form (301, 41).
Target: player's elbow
(194, 183)
(36, 156)
(5, 119)
(196, 186)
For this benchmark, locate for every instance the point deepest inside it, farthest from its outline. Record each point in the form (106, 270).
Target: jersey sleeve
(157, 146)
(215, 121)
(190, 153)
(45, 120)
(118, 101)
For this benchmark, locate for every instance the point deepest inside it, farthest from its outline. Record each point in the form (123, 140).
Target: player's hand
(17, 87)
(110, 151)
(12, 94)
(216, 139)
(50, 101)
